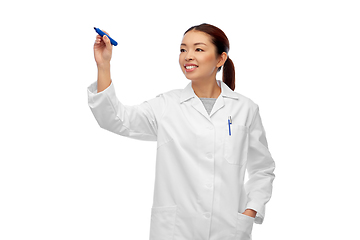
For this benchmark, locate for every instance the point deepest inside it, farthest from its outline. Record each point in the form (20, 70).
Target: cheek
(209, 60)
(180, 59)
(181, 63)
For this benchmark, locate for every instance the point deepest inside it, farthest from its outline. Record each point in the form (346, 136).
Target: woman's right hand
(102, 50)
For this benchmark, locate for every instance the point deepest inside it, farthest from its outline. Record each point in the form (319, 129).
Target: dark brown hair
(222, 44)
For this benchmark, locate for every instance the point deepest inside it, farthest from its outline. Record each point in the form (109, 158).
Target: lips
(189, 67)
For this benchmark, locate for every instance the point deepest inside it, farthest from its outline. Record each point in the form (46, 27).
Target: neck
(208, 89)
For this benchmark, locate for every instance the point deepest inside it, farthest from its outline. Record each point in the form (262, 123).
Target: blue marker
(101, 33)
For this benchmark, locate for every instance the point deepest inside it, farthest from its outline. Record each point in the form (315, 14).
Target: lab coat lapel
(226, 92)
(189, 94)
(218, 105)
(220, 102)
(199, 106)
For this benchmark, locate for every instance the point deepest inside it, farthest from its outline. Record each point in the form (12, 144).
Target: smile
(190, 68)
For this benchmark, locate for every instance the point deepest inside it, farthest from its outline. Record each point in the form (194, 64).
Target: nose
(189, 57)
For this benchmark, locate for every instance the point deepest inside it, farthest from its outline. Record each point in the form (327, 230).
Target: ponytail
(229, 74)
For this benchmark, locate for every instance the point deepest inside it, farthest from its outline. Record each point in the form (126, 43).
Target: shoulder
(171, 94)
(250, 103)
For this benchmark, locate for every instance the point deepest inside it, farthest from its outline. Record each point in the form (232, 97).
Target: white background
(63, 177)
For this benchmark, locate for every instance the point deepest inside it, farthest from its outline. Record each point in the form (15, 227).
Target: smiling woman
(207, 136)
(204, 42)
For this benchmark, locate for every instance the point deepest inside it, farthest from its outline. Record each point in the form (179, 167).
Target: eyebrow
(183, 44)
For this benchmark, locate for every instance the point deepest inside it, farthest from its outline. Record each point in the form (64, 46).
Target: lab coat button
(209, 185)
(207, 215)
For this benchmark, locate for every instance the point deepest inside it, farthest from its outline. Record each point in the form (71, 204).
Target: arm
(260, 167)
(102, 54)
(139, 121)
(104, 78)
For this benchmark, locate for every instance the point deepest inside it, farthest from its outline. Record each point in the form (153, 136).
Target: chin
(192, 78)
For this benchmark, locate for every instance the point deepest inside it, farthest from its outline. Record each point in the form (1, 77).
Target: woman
(207, 136)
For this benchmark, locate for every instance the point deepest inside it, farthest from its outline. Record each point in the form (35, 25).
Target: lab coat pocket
(236, 144)
(162, 223)
(244, 226)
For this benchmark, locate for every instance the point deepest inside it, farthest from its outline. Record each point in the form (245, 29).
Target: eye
(199, 50)
(182, 50)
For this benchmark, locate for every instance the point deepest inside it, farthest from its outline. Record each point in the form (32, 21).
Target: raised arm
(102, 54)
(138, 121)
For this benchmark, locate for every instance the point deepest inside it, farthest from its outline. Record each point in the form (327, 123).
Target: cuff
(92, 88)
(94, 98)
(260, 212)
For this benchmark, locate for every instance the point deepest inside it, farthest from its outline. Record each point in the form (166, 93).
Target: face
(198, 59)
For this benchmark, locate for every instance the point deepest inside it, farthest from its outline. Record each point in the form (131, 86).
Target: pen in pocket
(229, 122)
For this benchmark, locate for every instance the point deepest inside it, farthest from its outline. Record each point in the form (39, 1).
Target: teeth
(190, 67)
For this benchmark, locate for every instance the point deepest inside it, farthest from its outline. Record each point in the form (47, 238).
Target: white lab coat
(199, 192)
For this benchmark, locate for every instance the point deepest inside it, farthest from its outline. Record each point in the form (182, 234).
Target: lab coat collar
(188, 92)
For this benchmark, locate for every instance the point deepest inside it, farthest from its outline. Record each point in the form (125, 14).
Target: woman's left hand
(250, 213)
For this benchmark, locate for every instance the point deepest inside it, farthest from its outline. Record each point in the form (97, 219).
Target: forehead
(196, 36)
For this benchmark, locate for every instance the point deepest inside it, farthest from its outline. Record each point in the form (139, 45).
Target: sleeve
(260, 167)
(138, 121)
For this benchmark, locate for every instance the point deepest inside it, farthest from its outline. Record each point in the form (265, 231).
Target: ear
(222, 59)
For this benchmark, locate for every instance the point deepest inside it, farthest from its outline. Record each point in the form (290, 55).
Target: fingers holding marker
(107, 38)
(102, 48)
(107, 41)
(102, 37)
(98, 39)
